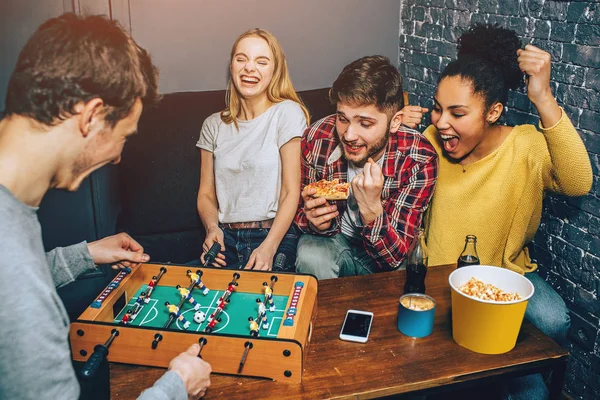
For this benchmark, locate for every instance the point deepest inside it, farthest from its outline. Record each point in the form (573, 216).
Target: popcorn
(417, 303)
(486, 291)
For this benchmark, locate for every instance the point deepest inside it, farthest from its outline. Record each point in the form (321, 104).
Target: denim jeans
(548, 312)
(333, 257)
(240, 243)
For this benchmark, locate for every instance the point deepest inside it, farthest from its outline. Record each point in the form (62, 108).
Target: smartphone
(357, 326)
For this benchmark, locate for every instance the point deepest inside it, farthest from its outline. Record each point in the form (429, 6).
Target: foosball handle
(279, 264)
(91, 365)
(211, 254)
(157, 338)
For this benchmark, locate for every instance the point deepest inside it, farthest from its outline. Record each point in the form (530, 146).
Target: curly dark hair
(370, 80)
(70, 59)
(487, 56)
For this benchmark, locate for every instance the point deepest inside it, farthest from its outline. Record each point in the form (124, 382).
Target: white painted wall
(190, 40)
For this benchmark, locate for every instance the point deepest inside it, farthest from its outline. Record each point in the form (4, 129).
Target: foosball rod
(163, 270)
(277, 265)
(209, 328)
(171, 316)
(202, 342)
(100, 353)
(179, 305)
(248, 346)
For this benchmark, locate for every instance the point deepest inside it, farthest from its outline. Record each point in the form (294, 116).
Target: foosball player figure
(269, 296)
(230, 289)
(211, 325)
(253, 327)
(222, 303)
(215, 314)
(195, 279)
(188, 296)
(174, 310)
(126, 318)
(150, 289)
(262, 314)
(137, 307)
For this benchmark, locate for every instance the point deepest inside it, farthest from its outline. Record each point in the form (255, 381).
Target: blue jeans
(240, 243)
(333, 257)
(548, 312)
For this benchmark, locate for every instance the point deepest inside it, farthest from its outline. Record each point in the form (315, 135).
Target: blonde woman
(250, 159)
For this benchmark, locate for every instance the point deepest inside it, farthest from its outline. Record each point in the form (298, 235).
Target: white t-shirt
(247, 162)
(351, 222)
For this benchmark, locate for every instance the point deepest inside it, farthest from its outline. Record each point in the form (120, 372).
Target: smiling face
(252, 67)
(363, 132)
(460, 118)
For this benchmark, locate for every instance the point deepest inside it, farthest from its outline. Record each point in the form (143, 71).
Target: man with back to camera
(392, 172)
(76, 94)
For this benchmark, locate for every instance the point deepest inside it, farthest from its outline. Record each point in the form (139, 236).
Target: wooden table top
(388, 363)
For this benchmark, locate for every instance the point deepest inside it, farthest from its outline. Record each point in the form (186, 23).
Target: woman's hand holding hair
(536, 64)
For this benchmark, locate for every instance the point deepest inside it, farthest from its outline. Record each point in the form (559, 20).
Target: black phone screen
(357, 324)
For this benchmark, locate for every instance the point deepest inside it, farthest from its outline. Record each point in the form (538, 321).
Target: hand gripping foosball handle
(211, 254)
(100, 352)
(279, 264)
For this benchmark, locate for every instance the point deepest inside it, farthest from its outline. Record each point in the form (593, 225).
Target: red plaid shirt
(409, 169)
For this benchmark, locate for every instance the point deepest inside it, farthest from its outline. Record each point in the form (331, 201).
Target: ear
(90, 114)
(494, 113)
(396, 122)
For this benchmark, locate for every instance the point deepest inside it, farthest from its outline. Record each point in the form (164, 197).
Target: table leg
(558, 379)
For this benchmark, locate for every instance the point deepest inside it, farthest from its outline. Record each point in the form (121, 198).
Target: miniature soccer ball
(199, 317)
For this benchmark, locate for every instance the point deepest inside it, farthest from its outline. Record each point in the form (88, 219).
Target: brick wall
(567, 245)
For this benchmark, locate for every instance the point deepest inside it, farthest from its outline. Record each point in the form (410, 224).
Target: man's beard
(372, 150)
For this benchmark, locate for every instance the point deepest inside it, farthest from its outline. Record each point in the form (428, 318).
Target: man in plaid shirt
(392, 171)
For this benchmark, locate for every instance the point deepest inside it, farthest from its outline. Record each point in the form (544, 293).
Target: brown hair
(369, 80)
(71, 59)
(280, 88)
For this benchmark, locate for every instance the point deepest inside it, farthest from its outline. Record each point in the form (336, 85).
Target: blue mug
(416, 313)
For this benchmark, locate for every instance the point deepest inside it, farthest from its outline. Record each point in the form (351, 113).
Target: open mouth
(353, 148)
(450, 142)
(249, 80)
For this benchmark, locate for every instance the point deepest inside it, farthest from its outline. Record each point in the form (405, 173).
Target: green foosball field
(234, 318)
(226, 342)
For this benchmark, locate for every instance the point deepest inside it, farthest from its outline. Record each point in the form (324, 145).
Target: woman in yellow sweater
(492, 178)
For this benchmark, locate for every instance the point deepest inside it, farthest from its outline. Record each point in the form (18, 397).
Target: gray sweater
(35, 359)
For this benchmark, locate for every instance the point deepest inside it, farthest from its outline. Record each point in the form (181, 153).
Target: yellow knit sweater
(499, 198)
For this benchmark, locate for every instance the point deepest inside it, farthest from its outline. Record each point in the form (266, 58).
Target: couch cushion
(160, 172)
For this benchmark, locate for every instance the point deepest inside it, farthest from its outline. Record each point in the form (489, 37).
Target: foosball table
(249, 323)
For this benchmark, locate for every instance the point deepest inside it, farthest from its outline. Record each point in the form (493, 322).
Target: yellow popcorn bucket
(485, 326)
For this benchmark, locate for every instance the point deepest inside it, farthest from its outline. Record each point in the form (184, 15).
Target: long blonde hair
(280, 88)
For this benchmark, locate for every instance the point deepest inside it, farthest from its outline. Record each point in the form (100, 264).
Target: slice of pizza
(330, 190)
